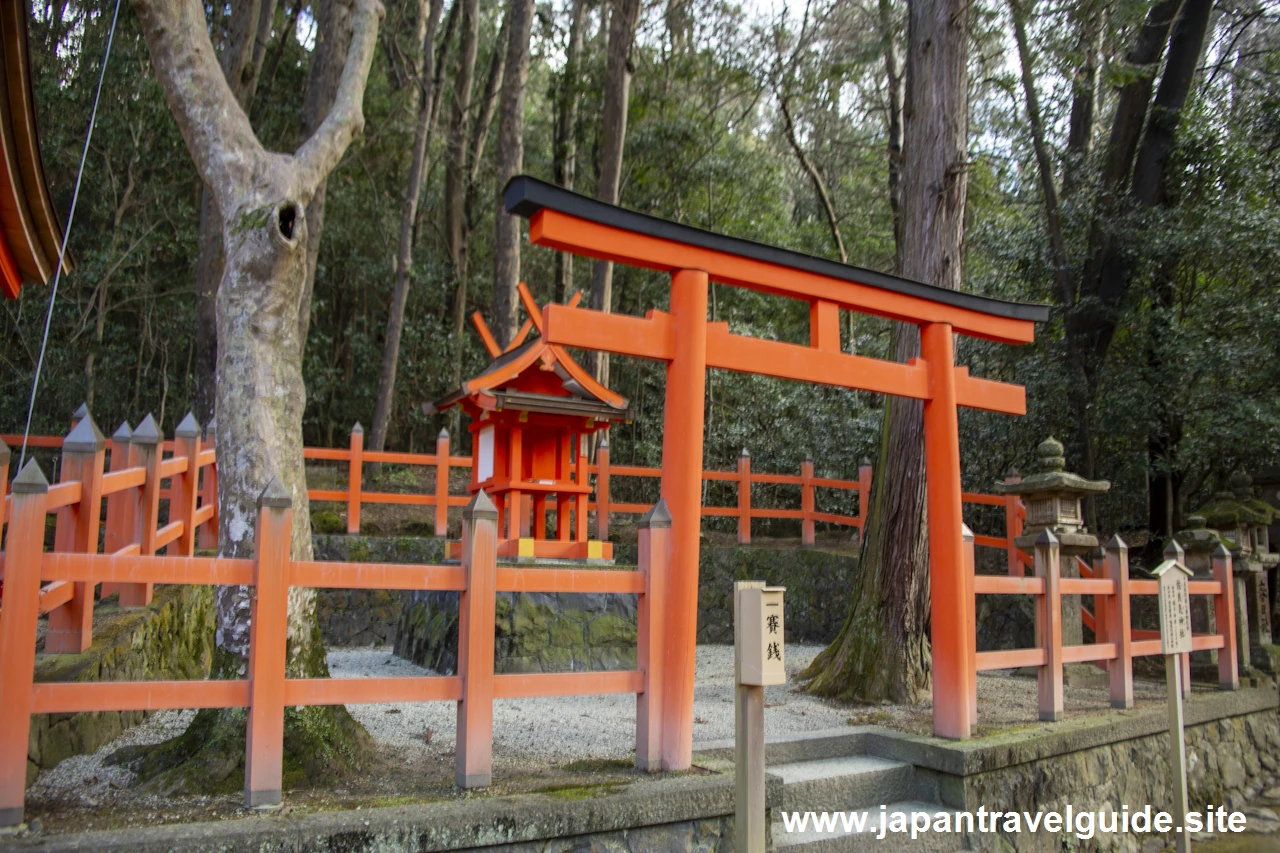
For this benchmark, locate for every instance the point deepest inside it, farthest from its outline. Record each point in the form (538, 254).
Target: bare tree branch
(320, 154)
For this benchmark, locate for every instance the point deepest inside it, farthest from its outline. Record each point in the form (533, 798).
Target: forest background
(779, 125)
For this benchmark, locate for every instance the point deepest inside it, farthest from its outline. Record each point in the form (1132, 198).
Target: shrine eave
(30, 234)
(526, 196)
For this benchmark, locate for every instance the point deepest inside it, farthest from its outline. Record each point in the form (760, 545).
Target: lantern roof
(1052, 476)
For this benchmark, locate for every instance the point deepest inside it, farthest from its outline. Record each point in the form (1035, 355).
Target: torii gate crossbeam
(689, 344)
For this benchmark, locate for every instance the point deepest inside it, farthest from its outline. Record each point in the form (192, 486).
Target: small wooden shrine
(532, 411)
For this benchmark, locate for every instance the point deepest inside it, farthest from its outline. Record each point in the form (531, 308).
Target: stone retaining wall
(540, 632)
(171, 639)
(367, 617)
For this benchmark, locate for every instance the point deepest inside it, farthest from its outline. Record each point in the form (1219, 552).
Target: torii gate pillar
(682, 428)
(951, 605)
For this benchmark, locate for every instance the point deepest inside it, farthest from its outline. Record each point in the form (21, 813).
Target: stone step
(851, 840)
(845, 782)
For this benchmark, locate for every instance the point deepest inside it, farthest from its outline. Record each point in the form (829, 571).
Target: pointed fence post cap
(5, 453)
(1115, 543)
(148, 432)
(866, 462)
(1011, 471)
(210, 427)
(122, 435)
(275, 495)
(808, 457)
(444, 433)
(604, 442)
(189, 428)
(480, 507)
(657, 516)
(1173, 551)
(965, 533)
(82, 412)
(1046, 537)
(85, 438)
(745, 454)
(30, 480)
(1220, 552)
(357, 429)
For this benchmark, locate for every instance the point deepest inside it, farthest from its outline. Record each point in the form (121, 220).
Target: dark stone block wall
(539, 632)
(367, 617)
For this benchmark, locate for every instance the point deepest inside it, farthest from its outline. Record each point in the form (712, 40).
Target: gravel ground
(529, 732)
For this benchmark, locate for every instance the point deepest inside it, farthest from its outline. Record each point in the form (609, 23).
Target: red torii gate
(689, 344)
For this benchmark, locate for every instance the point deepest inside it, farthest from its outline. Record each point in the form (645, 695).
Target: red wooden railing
(266, 690)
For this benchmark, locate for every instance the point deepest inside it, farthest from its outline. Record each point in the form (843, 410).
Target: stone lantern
(1053, 499)
(1241, 520)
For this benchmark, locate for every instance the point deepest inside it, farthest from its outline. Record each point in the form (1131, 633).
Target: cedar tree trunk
(882, 651)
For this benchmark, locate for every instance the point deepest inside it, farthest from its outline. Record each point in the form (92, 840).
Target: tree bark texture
(263, 199)
(506, 243)
(624, 15)
(565, 153)
(882, 651)
(429, 14)
(241, 66)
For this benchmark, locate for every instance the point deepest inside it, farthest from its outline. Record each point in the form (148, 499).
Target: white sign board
(1175, 608)
(762, 630)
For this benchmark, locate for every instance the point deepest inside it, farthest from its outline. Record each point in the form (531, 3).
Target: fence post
(442, 483)
(1225, 618)
(182, 494)
(268, 626)
(1119, 629)
(864, 493)
(602, 490)
(806, 501)
(654, 555)
(147, 444)
(119, 527)
(971, 662)
(79, 414)
(23, 555)
(355, 476)
(476, 604)
(1012, 524)
(209, 494)
(83, 452)
(744, 498)
(1049, 627)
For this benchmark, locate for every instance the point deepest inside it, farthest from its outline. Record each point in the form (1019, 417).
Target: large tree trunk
(564, 159)
(263, 199)
(506, 242)
(241, 63)
(429, 22)
(623, 17)
(455, 174)
(882, 651)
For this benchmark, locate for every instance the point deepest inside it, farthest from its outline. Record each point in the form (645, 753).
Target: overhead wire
(66, 235)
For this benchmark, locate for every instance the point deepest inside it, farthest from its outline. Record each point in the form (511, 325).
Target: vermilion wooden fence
(266, 691)
(62, 582)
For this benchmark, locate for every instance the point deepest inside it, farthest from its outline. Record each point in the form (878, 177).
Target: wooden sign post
(757, 663)
(1175, 639)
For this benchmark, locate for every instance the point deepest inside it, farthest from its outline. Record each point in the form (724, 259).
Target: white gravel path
(552, 729)
(560, 728)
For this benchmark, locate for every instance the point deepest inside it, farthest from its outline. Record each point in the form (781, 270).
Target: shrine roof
(585, 395)
(526, 196)
(30, 234)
